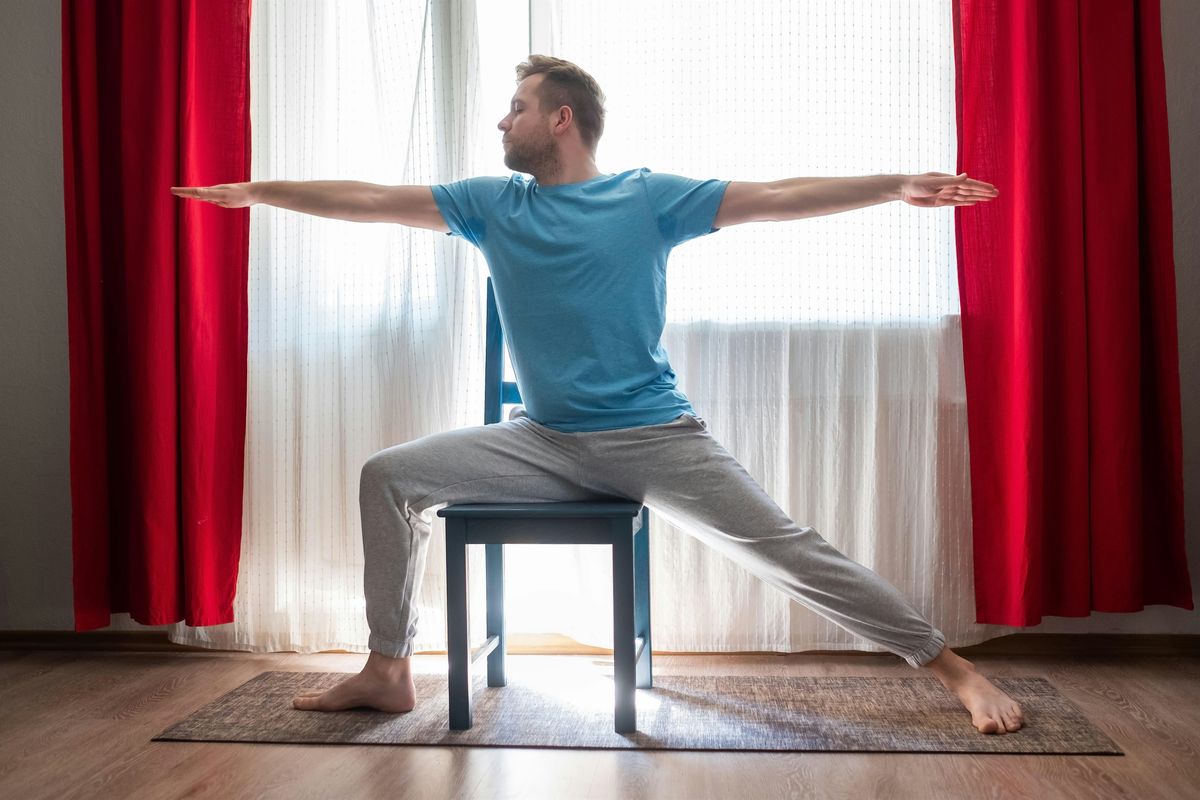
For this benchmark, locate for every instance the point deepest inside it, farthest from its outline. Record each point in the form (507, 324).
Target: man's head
(555, 117)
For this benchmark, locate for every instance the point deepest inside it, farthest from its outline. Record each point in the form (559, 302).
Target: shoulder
(482, 185)
(655, 178)
(669, 182)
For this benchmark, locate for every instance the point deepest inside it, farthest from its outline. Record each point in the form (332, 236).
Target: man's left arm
(797, 198)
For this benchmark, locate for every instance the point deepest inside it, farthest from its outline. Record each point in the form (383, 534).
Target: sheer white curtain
(361, 335)
(825, 353)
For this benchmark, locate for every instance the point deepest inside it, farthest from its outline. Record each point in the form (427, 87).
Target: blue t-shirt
(579, 272)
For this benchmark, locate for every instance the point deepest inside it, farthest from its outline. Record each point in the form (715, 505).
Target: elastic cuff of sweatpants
(929, 651)
(389, 648)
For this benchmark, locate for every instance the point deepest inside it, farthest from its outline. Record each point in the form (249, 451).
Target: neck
(575, 173)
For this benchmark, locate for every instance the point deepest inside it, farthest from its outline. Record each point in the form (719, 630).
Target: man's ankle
(950, 664)
(394, 664)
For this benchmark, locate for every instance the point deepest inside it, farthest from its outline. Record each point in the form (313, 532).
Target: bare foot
(385, 684)
(992, 711)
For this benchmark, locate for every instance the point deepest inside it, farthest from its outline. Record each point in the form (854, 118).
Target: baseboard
(1016, 644)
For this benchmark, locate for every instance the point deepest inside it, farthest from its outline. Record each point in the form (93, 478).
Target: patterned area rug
(572, 707)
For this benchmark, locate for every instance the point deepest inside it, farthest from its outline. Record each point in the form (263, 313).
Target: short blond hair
(567, 84)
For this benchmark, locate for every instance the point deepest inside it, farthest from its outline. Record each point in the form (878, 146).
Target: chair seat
(604, 508)
(545, 523)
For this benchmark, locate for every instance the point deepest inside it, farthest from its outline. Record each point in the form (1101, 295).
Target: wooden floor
(78, 723)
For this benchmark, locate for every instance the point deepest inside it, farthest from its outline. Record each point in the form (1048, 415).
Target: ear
(564, 119)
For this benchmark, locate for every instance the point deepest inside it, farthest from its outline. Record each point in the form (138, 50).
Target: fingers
(209, 194)
(963, 182)
(969, 198)
(950, 198)
(962, 201)
(979, 187)
(971, 188)
(978, 194)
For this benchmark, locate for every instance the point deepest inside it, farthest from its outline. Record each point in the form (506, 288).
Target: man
(578, 261)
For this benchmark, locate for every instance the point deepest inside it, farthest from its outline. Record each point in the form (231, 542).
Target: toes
(989, 725)
(999, 723)
(311, 701)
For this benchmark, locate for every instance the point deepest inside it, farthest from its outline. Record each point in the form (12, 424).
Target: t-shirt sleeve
(467, 205)
(684, 208)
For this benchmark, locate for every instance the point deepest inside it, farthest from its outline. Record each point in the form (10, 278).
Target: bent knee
(383, 469)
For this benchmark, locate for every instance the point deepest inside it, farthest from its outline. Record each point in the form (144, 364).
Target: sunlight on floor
(585, 683)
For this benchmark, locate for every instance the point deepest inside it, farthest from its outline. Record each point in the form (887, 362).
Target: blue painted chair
(495, 524)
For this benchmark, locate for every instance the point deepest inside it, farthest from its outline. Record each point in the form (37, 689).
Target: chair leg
(458, 624)
(624, 670)
(641, 599)
(495, 613)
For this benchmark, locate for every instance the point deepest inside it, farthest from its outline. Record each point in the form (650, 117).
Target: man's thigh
(681, 471)
(507, 461)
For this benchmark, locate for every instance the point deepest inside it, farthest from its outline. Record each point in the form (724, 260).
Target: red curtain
(155, 94)
(1067, 284)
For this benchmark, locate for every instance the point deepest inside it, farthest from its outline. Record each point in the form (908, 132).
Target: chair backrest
(497, 392)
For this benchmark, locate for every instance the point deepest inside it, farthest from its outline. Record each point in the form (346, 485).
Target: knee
(380, 472)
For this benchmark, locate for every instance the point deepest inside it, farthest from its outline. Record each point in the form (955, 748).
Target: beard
(539, 158)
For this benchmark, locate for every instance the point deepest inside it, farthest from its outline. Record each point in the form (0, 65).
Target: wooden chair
(496, 524)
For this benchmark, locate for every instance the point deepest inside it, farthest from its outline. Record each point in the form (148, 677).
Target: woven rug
(572, 707)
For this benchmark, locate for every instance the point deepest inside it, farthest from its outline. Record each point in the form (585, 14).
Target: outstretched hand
(227, 195)
(941, 189)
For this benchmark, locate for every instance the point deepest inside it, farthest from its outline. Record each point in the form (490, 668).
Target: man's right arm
(355, 201)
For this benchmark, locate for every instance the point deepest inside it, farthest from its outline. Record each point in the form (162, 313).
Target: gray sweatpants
(676, 468)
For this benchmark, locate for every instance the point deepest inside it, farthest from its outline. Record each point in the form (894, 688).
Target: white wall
(35, 496)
